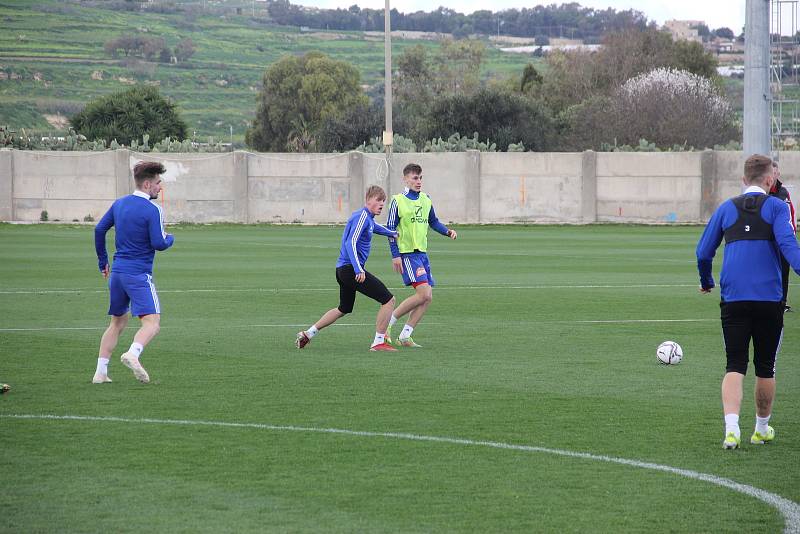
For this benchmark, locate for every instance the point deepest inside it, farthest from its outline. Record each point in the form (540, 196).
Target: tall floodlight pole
(756, 78)
(387, 77)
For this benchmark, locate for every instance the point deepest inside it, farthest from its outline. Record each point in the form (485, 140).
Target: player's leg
(118, 304)
(345, 277)
(107, 345)
(736, 331)
(767, 337)
(146, 305)
(423, 295)
(424, 292)
(373, 288)
(408, 270)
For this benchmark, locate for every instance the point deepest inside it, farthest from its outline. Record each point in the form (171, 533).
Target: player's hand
(360, 277)
(397, 265)
(452, 234)
(105, 272)
(705, 290)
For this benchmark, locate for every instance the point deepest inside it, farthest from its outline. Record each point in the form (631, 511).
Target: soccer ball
(669, 353)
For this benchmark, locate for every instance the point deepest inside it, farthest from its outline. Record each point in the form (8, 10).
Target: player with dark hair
(139, 225)
(411, 213)
(352, 277)
(755, 226)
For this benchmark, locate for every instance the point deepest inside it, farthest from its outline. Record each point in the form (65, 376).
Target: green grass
(237, 49)
(510, 355)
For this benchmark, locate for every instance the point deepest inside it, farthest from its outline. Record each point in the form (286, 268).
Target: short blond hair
(375, 191)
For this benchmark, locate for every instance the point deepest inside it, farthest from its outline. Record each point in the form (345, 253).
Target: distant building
(684, 29)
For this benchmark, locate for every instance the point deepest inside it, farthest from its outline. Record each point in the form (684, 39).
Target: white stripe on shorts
(777, 351)
(154, 294)
(409, 270)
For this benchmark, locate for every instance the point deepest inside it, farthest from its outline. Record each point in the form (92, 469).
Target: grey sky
(715, 13)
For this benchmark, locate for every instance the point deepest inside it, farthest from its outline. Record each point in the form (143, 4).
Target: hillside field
(52, 55)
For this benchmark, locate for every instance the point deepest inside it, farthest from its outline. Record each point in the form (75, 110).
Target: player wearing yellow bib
(410, 214)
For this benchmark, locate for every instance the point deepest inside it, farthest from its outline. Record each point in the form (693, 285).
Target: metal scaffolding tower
(784, 76)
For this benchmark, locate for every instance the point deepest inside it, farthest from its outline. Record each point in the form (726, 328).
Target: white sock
(102, 366)
(732, 424)
(312, 331)
(761, 424)
(392, 320)
(406, 333)
(136, 349)
(379, 338)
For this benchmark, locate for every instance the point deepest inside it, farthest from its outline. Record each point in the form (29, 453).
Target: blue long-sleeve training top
(139, 226)
(357, 239)
(751, 269)
(394, 220)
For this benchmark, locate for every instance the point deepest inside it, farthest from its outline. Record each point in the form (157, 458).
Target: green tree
(692, 57)
(354, 128)
(724, 33)
(304, 90)
(128, 115)
(184, 49)
(413, 90)
(458, 66)
(495, 115)
(573, 77)
(531, 79)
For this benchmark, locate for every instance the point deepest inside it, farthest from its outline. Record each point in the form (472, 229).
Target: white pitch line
(301, 325)
(312, 289)
(790, 510)
(136, 326)
(632, 321)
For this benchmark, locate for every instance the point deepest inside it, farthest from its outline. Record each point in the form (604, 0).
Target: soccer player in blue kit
(757, 230)
(352, 277)
(411, 213)
(139, 225)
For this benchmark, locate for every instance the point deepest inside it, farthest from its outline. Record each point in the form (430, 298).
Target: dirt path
(62, 59)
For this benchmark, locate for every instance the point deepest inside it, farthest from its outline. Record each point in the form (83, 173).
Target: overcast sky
(715, 13)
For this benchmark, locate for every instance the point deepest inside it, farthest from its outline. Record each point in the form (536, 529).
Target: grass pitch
(537, 336)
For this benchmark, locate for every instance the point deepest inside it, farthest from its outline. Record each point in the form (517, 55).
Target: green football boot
(407, 342)
(760, 439)
(388, 337)
(731, 441)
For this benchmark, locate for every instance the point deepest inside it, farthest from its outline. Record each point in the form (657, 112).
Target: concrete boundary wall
(466, 187)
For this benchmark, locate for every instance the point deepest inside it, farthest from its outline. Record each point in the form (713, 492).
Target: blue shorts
(416, 269)
(136, 290)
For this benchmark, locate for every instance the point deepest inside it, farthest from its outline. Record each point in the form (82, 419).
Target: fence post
(355, 170)
(6, 185)
(589, 186)
(241, 187)
(708, 184)
(472, 183)
(122, 172)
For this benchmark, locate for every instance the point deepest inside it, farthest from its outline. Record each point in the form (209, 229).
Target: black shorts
(371, 287)
(761, 321)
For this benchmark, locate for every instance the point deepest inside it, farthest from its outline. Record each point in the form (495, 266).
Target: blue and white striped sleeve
(391, 223)
(382, 230)
(159, 239)
(351, 241)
